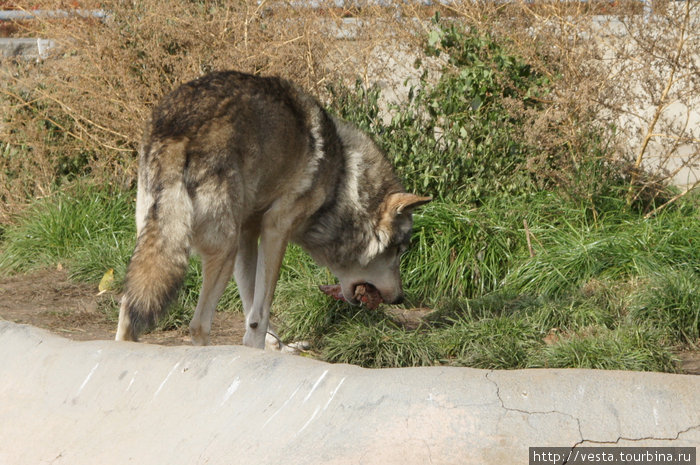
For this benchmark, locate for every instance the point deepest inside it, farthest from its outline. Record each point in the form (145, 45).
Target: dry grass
(81, 110)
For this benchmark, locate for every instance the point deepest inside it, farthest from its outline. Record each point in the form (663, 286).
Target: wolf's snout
(391, 296)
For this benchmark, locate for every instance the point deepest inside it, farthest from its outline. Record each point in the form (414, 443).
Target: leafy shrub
(460, 138)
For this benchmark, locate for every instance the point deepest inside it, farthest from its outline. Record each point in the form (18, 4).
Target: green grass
(626, 348)
(88, 229)
(458, 252)
(378, 345)
(498, 342)
(619, 291)
(617, 249)
(670, 300)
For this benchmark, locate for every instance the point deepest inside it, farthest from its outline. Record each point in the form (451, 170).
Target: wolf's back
(164, 212)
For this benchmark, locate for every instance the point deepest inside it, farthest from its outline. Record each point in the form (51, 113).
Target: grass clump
(617, 247)
(457, 253)
(499, 342)
(625, 348)
(670, 301)
(88, 228)
(572, 314)
(378, 345)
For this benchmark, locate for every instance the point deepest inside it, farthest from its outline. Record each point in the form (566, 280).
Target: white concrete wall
(103, 402)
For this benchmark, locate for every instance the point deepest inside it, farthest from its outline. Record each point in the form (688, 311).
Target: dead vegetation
(614, 66)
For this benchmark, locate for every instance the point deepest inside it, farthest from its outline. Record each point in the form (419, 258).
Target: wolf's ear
(395, 204)
(401, 201)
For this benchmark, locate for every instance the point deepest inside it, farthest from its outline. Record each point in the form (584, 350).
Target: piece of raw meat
(365, 293)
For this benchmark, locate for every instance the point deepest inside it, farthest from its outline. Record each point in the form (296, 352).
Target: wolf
(234, 167)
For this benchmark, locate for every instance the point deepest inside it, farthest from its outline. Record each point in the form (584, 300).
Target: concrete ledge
(25, 48)
(103, 402)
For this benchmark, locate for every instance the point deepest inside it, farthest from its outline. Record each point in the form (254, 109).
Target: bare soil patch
(48, 299)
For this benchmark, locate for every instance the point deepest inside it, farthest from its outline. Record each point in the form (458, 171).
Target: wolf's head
(366, 222)
(378, 265)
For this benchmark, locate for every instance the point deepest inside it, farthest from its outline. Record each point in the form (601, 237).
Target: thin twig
(527, 236)
(673, 199)
(661, 107)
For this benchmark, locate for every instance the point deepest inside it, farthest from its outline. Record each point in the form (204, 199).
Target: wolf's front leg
(273, 244)
(246, 266)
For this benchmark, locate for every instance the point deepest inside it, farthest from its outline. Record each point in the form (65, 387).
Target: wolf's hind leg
(216, 273)
(125, 330)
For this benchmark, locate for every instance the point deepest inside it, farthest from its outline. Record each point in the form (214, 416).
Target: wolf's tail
(164, 221)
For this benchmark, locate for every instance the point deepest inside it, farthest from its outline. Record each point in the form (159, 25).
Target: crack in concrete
(578, 422)
(646, 438)
(622, 438)
(527, 412)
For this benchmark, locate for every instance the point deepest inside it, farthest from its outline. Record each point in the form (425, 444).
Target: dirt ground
(48, 299)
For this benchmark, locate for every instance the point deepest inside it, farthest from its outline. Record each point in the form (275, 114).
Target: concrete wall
(102, 402)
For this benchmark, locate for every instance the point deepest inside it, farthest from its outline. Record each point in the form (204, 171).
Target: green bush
(457, 139)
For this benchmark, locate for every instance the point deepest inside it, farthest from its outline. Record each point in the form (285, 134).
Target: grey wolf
(234, 167)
